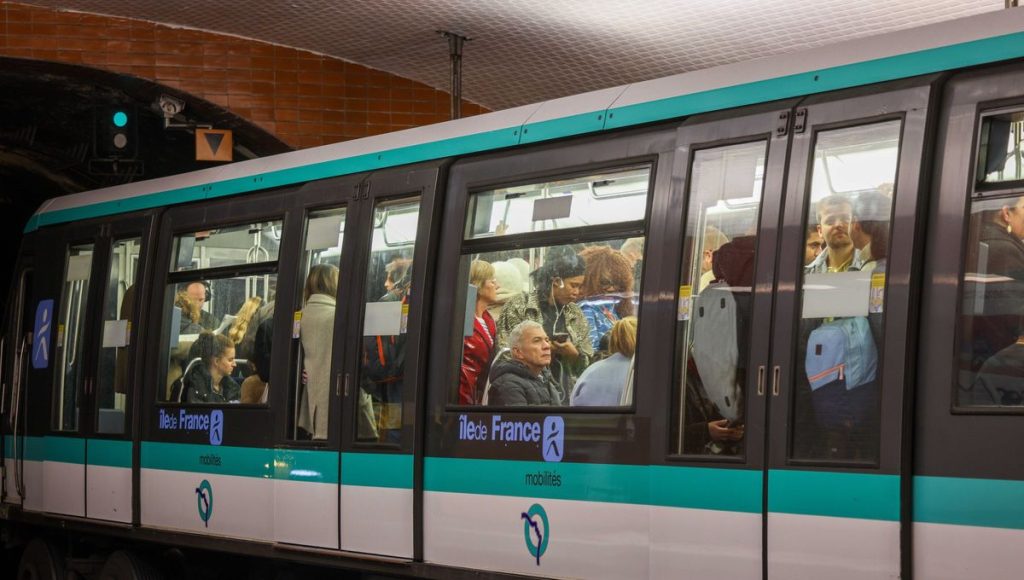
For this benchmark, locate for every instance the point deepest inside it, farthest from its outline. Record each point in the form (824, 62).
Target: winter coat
(199, 387)
(317, 337)
(512, 384)
(477, 350)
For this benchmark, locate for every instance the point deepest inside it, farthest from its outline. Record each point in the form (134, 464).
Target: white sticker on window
(323, 232)
(78, 267)
(467, 327)
(552, 208)
(115, 334)
(836, 294)
(383, 319)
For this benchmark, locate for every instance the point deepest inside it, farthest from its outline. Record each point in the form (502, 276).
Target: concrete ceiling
(524, 51)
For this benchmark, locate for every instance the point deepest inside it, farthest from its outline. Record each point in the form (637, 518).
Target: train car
(757, 321)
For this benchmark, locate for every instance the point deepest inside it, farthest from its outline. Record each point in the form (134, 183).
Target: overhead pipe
(455, 42)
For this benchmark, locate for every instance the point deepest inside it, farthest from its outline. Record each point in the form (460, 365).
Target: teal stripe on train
(377, 470)
(917, 63)
(692, 487)
(109, 452)
(828, 493)
(366, 469)
(969, 502)
(401, 156)
(64, 449)
(862, 73)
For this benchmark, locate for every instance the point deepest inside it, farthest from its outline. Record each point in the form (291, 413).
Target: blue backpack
(841, 350)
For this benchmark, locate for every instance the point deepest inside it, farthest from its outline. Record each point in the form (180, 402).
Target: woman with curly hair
(552, 304)
(607, 291)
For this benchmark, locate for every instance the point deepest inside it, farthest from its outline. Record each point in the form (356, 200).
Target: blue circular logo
(120, 119)
(536, 539)
(204, 501)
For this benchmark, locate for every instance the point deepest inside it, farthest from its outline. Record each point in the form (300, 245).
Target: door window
(313, 329)
(71, 327)
(385, 321)
(113, 381)
(837, 396)
(715, 298)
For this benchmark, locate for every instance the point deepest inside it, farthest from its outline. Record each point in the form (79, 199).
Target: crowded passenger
(835, 214)
(526, 378)
(317, 338)
(478, 348)
(208, 376)
(602, 384)
(510, 283)
(384, 363)
(713, 240)
(552, 303)
(813, 244)
(870, 230)
(199, 294)
(607, 291)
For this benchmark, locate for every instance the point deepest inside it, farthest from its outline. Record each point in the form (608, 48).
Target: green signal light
(120, 119)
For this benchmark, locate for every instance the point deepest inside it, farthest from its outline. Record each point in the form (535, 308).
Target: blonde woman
(601, 385)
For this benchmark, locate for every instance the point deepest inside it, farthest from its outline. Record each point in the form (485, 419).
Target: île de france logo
(536, 530)
(204, 501)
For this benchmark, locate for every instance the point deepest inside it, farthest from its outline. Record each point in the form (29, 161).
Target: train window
(561, 332)
(607, 198)
(71, 327)
(990, 360)
(213, 318)
(552, 324)
(1000, 155)
(713, 319)
(385, 320)
(837, 396)
(316, 305)
(245, 244)
(112, 380)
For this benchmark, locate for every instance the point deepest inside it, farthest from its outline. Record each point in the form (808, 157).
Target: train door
(16, 354)
(111, 388)
(86, 443)
(381, 371)
(968, 474)
(221, 276)
(837, 471)
(733, 183)
(306, 455)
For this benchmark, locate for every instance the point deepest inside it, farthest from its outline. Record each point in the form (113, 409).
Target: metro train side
(462, 489)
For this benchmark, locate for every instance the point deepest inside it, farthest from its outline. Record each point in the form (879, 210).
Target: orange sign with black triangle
(213, 145)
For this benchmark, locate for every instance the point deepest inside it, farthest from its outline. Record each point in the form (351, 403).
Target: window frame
(547, 239)
(978, 191)
(172, 278)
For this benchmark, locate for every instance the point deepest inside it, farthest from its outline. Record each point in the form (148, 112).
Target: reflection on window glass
(385, 321)
(316, 307)
(836, 399)
(245, 244)
(550, 325)
(113, 381)
(212, 338)
(715, 294)
(1000, 156)
(606, 198)
(991, 357)
(71, 337)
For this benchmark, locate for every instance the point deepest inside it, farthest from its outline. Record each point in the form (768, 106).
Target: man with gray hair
(525, 380)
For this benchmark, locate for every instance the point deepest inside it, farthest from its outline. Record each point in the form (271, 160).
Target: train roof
(981, 39)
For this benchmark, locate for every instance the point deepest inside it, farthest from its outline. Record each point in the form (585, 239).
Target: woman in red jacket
(478, 348)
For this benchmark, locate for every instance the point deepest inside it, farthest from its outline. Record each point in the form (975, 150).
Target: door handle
(776, 375)
(760, 380)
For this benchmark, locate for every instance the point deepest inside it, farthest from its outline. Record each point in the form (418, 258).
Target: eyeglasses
(831, 220)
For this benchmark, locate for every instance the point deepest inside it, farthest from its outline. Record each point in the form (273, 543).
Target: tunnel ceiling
(525, 51)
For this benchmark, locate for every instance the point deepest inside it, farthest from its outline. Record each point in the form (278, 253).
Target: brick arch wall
(303, 98)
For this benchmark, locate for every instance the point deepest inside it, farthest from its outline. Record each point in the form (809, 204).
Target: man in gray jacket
(525, 380)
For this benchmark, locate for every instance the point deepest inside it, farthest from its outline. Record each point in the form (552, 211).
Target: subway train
(756, 321)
